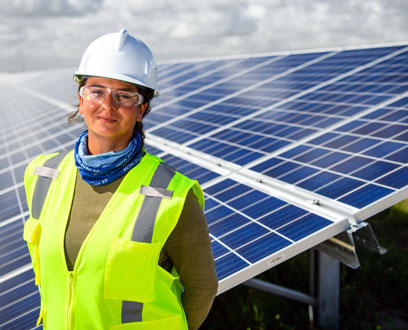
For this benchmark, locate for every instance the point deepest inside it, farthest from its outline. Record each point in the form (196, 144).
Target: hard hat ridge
(122, 36)
(119, 56)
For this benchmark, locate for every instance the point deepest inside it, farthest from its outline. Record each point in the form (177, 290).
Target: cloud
(48, 8)
(187, 20)
(58, 31)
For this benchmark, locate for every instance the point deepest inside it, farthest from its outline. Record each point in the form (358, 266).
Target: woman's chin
(106, 132)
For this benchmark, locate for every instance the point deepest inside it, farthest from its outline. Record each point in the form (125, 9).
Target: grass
(372, 297)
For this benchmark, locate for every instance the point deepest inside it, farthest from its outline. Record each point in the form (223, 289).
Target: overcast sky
(40, 34)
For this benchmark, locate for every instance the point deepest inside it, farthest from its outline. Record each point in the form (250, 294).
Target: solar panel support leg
(280, 291)
(325, 286)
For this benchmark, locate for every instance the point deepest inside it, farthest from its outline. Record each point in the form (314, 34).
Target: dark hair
(147, 94)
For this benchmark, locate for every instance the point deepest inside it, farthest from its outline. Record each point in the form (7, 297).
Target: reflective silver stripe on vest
(43, 183)
(143, 229)
(144, 225)
(46, 171)
(156, 192)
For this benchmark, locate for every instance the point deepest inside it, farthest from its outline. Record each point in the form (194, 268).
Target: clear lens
(97, 94)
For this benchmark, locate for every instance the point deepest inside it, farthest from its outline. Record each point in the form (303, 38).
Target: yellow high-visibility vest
(116, 282)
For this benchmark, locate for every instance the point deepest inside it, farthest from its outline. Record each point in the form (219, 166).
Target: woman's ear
(141, 111)
(80, 104)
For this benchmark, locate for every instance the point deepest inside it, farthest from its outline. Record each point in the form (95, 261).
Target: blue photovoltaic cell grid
(20, 302)
(282, 125)
(59, 86)
(13, 250)
(152, 150)
(171, 76)
(356, 163)
(45, 131)
(247, 225)
(199, 74)
(267, 67)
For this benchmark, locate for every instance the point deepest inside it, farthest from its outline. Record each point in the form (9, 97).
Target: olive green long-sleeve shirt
(188, 246)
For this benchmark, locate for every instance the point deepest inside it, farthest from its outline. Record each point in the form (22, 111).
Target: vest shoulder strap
(46, 173)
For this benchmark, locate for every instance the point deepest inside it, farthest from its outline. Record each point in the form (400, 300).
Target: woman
(118, 239)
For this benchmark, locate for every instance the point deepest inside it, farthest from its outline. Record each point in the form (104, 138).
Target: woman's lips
(106, 119)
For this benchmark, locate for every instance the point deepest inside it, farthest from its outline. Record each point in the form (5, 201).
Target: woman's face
(109, 121)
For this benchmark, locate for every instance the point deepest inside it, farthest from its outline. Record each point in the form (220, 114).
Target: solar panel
(287, 147)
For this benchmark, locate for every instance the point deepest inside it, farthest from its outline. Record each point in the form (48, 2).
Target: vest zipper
(70, 303)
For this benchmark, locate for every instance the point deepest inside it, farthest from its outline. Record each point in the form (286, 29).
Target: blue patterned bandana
(98, 170)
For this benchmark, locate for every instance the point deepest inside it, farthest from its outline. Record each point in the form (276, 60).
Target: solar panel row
(263, 135)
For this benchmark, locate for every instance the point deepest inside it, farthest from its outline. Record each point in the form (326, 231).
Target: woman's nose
(110, 102)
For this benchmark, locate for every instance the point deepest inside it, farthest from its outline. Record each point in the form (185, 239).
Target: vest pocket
(130, 270)
(32, 229)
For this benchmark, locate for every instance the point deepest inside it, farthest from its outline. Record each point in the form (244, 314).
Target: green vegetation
(373, 297)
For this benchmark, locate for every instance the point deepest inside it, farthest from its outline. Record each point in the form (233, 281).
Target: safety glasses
(98, 94)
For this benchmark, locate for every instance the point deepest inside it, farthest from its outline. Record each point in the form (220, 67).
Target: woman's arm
(189, 247)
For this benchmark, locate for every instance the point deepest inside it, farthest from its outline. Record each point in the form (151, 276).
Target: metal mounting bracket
(365, 236)
(342, 246)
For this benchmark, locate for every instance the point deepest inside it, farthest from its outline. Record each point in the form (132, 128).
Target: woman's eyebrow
(96, 85)
(126, 89)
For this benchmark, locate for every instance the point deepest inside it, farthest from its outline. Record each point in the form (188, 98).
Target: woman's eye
(97, 92)
(124, 96)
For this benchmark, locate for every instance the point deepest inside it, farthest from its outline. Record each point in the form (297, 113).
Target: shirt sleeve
(189, 248)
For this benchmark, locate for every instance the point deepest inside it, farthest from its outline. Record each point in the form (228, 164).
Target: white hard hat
(119, 56)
